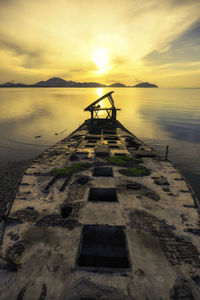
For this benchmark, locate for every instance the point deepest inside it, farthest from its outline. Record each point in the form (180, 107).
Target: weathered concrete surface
(161, 223)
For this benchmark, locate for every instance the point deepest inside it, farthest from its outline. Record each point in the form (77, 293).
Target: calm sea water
(160, 117)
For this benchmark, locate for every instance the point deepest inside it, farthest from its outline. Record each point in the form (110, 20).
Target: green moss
(135, 171)
(65, 171)
(125, 160)
(70, 170)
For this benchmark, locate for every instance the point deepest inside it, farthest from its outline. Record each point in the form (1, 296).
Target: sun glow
(100, 92)
(101, 59)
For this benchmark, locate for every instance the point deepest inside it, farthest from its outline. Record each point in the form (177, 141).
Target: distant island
(59, 82)
(146, 85)
(117, 85)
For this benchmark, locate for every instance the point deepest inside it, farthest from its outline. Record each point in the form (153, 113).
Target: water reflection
(100, 92)
(178, 123)
(158, 116)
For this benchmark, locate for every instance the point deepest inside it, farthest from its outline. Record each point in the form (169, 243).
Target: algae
(135, 171)
(70, 170)
(125, 161)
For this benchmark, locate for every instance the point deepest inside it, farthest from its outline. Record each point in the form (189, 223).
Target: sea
(32, 119)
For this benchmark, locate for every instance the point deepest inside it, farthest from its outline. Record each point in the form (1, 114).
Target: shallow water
(160, 117)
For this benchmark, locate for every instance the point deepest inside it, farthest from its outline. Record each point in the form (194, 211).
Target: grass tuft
(125, 161)
(70, 170)
(135, 171)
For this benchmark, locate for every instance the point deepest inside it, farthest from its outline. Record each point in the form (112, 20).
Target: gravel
(10, 176)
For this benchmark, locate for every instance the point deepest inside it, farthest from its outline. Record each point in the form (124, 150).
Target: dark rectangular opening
(109, 132)
(95, 131)
(92, 137)
(132, 146)
(103, 247)
(113, 138)
(102, 194)
(102, 150)
(103, 171)
(51, 182)
(66, 211)
(89, 146)
(65, 183)
(112, 142)
(101, 154)
(82, 155)
(120, 154)
(113, 147)
(91, 141)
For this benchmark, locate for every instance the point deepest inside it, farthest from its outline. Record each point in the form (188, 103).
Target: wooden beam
(97, 109)
(98, 100)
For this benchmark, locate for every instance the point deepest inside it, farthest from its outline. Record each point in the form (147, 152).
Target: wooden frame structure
(95, 108)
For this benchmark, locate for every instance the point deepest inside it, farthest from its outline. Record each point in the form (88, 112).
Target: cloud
(119, 60)
(49, 37)
(29, 58)
(184, 2)
(7, 44)
(184, 49)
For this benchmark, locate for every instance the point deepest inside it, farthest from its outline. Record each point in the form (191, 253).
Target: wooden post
(166, 152)
(114, 114)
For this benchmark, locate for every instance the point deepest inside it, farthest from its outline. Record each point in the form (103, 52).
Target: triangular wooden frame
(94, 108)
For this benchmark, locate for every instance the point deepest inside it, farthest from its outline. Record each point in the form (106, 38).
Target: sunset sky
(105, 41)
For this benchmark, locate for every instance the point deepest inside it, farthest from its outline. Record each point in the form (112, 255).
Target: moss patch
(125, 161)
(135, 171)
(70, 170)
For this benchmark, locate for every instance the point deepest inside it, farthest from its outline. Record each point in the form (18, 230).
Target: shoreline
(10, 176)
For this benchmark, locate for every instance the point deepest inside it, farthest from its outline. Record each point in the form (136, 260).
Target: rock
(184, 191)
(160, 180)
(83, 180)
(13, 236)
(166, 189)
(28, 214)
(14, 253)
(134, 186)
(152, 195)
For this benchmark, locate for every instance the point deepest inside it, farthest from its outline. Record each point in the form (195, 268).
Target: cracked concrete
(157, 212)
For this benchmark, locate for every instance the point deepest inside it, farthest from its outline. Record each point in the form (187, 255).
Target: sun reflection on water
(100, 92)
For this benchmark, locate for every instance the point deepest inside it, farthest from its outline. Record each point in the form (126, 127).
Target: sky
(105, 41)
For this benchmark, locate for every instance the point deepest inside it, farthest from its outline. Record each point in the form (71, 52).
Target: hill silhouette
(59, 82)
(145, 85)
(118, 84)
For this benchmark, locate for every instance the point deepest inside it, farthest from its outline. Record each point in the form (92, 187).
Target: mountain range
(59, 82)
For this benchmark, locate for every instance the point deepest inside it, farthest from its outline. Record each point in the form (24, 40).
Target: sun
(101, 59)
